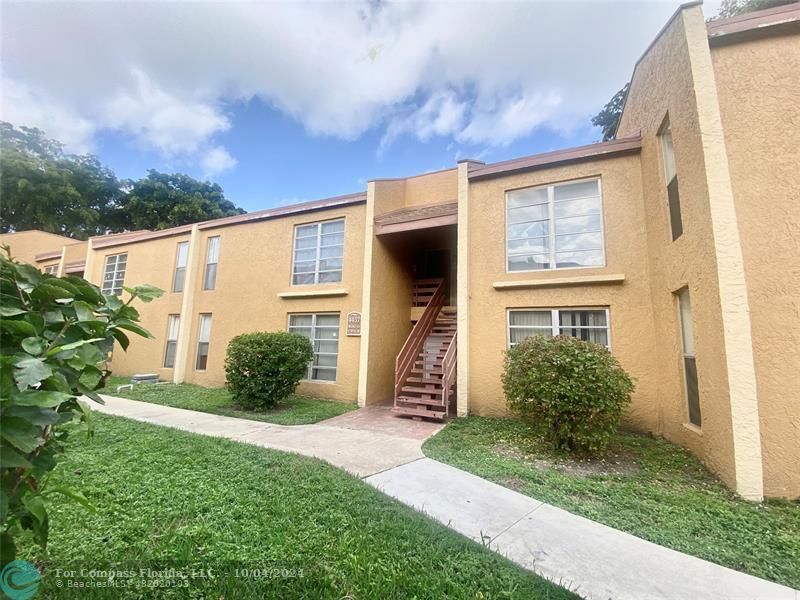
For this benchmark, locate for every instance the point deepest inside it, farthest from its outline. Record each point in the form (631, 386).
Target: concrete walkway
(595, 561)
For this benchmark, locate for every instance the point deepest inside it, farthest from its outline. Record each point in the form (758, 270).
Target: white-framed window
(51, 269)
(589, 324)
(318, 252)
(114, 274)
(671, 177)
(212, 258)
(173, 324)
(203, 340)
(556, 226)
(180, 266)
(689, 360)
(323, 331)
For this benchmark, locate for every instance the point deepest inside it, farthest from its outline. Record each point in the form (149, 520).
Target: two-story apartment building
(675, 245)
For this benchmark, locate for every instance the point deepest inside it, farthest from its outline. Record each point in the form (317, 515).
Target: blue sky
(275, 156)
(285, 102)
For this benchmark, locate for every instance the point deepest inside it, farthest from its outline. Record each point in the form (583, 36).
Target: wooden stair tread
(419, 412)
(425, 401)
(423, 391)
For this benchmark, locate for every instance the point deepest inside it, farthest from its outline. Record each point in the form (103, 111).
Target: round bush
(264, 368)
(575, 390)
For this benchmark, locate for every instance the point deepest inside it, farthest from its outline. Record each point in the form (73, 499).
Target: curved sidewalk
(595, 561)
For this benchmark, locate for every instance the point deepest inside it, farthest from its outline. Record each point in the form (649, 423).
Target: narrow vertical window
(671, 177)
(203, 339)
(689, 362)
(212, 256)
(173, 323)
(114, 274)
(180, 266)
(318, 253)
(323, 332)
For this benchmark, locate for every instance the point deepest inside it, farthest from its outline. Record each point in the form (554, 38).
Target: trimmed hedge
(264, 368)
(575, 390)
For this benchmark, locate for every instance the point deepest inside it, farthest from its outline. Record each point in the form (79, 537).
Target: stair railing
(416, 339)
(448, 373)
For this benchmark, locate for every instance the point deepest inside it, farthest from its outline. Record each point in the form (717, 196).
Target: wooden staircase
(425, 367)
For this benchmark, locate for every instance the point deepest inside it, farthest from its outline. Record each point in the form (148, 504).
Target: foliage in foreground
(642, 484)
(55, 334)
(576, 390)
(294, 410)
(167, 498)
(262, 369)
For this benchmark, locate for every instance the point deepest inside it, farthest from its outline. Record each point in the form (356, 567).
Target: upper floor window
(555, 227)
(212, 257)
(671, 177)
(318, 252)
(590, 325)
(51, 269)
(180, 266)
(114, 274)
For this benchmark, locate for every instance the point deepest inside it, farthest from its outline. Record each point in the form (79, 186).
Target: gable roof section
(261, 215)
(596, 151)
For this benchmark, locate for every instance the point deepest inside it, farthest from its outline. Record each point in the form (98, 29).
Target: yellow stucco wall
(432, 188)
(631, 323)
(763, 136)
(25, 245)
(152, 262)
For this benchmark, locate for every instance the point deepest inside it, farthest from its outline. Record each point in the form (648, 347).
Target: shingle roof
(418, 213)
(780, 15)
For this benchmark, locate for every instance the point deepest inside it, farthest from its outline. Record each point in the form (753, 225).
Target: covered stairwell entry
(425, 369)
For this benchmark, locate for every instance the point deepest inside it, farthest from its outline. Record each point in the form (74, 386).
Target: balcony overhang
(411, 218)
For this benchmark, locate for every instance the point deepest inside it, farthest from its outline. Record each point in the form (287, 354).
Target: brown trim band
(589, 152)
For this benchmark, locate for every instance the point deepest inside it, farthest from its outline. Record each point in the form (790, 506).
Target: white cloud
(216, 161)
(481, 73)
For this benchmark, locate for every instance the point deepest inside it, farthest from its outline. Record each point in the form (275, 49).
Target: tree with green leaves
(608, 118)
(733, 8)
(44, 188)
(55, 335)
(166, 200)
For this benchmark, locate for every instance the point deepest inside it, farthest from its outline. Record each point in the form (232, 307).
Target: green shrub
(575, 390)
(264, 368)
(55, 334)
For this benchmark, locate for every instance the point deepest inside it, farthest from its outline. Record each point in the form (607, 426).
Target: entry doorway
(437, 264)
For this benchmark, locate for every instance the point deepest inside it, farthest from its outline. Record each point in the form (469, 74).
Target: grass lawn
(644, 485)
(296, 410)
(167, 499)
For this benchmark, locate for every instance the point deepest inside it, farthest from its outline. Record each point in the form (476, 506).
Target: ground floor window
(689, 360)
(173, 323)
(203, 340)
(323, 331)
(586, 324)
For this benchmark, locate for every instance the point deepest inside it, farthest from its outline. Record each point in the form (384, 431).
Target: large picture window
(114, 274)
(590, 325)
(323, 331)
(318, 253)
(555, 227)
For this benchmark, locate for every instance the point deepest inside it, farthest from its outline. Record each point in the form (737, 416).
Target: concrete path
(597, 562)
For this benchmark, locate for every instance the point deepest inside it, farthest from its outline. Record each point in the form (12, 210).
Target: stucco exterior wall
(631, 323)
(431, 188)
(762, 134)
(262, 252)
(675, 78)
(153, 263)
(25, 245)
